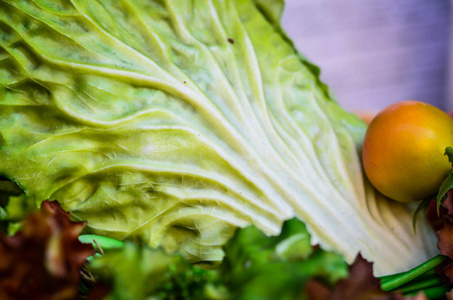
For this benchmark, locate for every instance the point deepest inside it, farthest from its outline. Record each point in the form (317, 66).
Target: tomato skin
(403, 150)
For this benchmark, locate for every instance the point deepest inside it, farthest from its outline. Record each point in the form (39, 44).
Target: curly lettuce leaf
(135, 272)
(43, 260)
(260, 267)
(256, 267)
(142, 118)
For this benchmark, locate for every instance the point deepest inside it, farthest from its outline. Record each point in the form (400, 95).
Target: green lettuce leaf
(256, 267)
(174, 122)
(260, 267)
(135, 272)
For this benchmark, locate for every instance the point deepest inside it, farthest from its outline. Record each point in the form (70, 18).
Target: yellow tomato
(403, 150)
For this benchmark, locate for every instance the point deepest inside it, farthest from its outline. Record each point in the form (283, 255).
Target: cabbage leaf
(174, 122)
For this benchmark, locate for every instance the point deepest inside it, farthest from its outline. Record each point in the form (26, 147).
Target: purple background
(373, 53)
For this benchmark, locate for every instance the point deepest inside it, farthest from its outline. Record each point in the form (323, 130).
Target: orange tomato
(403, 150)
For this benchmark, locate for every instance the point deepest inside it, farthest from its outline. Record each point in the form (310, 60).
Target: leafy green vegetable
(142, 118)
(138, 273)
(260, 267)
(256, 267)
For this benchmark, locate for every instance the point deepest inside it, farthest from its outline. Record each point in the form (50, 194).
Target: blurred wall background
(373, 53)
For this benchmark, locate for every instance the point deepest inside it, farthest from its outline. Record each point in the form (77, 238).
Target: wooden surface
(373, 53)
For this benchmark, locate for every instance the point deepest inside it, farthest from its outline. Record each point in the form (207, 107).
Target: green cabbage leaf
(174, 122)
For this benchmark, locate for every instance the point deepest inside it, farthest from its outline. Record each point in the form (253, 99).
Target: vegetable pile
(48, 256)
(173, 123)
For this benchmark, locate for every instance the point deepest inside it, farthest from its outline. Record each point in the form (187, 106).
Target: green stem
(430, 274)
(420, 285)
(104, 242)
(392, 282)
